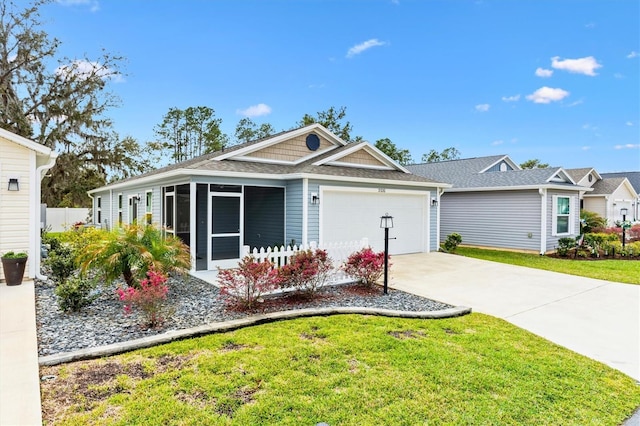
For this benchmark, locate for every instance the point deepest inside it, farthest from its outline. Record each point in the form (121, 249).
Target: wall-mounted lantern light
(434, 201)
(315, 199)
(14, 185)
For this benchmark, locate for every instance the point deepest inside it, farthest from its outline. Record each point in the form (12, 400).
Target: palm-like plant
(132, 250)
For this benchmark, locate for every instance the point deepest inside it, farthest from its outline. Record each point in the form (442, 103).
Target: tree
(447, 154)
(247, 130)
(63, 109)
(332, 120)
(533, 164)
(402, 156)
(190, 133)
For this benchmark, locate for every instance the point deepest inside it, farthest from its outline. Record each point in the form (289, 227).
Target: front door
(225, 219)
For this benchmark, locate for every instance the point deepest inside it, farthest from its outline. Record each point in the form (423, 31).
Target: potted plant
(13, 264)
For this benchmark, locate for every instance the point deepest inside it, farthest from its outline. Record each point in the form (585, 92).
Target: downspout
(543, 220)
(305, 211)
(439, 193)
(40, 172)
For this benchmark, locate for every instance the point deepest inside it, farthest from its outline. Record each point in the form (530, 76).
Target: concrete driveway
(598, 319)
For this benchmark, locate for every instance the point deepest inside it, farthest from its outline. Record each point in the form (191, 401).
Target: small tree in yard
(150, 298)
(307, 271)
(243, 287)
(451, 243)
(365, 265)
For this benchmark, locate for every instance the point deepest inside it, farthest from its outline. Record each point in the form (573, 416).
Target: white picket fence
(338, 252)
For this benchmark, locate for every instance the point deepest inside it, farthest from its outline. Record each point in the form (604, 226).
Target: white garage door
(353, 214)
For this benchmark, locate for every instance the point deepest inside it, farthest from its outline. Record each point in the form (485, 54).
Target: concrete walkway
(598, 319)
(19, 374)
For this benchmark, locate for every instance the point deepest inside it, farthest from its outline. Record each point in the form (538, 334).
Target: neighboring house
(634, 179)
(609, 194)
(23, 164)
(494, 203)
(298, 186)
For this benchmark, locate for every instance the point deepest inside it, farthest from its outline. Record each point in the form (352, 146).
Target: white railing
(338, 252)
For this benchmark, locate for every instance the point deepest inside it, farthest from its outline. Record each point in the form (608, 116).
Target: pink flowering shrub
(243, 287)
(307, 271)
(365, 265)
(149, 298)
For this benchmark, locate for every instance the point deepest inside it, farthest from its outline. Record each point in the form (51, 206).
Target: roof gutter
(521, 187)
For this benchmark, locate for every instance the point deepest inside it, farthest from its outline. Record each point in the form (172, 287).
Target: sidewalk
(19, 374)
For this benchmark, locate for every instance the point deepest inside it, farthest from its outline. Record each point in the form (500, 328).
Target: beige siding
(596, 205)
(15, 161)
(361, 157)
(289, 150)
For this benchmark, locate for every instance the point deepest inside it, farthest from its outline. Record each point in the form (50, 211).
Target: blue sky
(553, 80)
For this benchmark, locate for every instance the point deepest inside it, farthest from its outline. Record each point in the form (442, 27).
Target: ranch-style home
(300, 186)
(23, 164)
(494, 203)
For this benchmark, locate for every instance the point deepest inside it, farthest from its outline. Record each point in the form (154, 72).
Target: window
(99, 210)
(119, 209)
(562, 224)
(148, 214)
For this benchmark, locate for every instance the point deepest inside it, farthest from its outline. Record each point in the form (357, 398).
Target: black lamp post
(623, 212)
(386, 222)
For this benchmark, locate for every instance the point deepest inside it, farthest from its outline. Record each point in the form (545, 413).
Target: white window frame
(99, 210)
(120, 215)
(555, 215)
(148, 209)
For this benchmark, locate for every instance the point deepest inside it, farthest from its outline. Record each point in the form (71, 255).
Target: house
(23, 164)
(609, 194)
(494, 203)
(298, 186)
(634, 180)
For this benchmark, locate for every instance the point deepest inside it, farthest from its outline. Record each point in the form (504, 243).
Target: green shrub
(564, 245)
(590, 221)
(131, 251)
(14, 255)
(75, 293)
(451, 243)
(62, 263)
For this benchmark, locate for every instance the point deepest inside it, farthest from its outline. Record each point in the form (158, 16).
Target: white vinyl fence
(338, 252)
(61, 219)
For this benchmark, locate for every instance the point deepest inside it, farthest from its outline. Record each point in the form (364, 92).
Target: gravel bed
(194, 302)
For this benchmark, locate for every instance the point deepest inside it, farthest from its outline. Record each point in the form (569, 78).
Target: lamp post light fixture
(386, 222)
(623, 212)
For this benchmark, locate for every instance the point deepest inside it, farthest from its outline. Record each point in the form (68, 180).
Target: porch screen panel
(226, 215)
(225, 248)
(263, 216)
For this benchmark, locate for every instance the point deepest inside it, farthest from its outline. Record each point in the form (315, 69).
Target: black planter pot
(14, 270)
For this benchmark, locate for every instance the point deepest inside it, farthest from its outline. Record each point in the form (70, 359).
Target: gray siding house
(494, 203)
(298, 186)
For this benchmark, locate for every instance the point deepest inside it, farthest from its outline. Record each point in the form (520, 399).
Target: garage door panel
(348, 216)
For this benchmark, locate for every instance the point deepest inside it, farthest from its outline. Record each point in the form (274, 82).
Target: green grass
(623, 271)
(345, 370)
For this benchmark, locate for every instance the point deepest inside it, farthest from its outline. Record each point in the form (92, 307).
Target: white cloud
(586, 65)
(94, 5)
(578, 102)
(85, 69)
(545, 95)
(359, 48)
(628, 146)
(255, 110)
(633, 54)
(629, 123)
(586, 148)
(590, 25)
(513, 98)
(483, 107)
(618, 75)
(541, 72)
(498, 142)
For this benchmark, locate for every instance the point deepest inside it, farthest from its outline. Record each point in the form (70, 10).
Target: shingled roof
(469, 174)
(220, 163)
(634, 178)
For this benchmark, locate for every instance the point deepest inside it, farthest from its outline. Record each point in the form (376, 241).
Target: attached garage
(348, 214)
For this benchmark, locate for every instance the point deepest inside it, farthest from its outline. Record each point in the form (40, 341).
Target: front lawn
(623, 271)
(345, 370)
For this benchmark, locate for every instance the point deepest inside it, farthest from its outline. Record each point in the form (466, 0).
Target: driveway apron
(596, 318)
